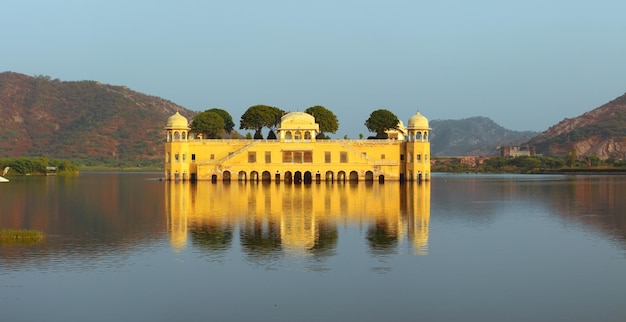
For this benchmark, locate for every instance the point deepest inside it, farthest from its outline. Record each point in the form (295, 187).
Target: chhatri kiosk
(296, 156)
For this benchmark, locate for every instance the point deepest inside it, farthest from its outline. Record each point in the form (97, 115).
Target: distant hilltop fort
(295, 156)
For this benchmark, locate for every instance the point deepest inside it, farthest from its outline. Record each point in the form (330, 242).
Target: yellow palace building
(296, 156)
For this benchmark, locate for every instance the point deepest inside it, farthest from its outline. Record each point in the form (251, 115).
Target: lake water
(128, 247)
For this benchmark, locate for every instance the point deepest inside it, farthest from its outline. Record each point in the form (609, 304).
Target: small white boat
(3, 179)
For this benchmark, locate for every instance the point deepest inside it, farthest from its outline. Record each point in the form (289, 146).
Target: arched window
(354, 176)
(176, 136)
(288, 136)
(254, 176)
(266, 176)
(297, 177)
(307, 136)
(308, 177)
(329, 176)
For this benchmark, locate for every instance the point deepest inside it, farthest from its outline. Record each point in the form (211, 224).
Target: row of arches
(418, 136)
(297, 135)
(176, 136)
(298, 177)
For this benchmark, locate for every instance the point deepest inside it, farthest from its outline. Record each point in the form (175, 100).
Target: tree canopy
(228, 120)
(259, 116)
(38, 166)
(381, 121)
(325, 118)
(209, 123)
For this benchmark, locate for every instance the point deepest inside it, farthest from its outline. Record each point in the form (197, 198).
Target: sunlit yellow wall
(191, 158)
(417, 160)
(209, 158)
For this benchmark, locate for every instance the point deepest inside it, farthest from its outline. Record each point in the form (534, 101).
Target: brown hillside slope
(600, 132)
(85, 120)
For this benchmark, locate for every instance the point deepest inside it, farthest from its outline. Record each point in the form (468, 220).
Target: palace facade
(296, 156)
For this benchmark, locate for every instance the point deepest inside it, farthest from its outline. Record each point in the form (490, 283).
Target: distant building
(516, 151)
(469, 160)
(296, 155)
(398, 133)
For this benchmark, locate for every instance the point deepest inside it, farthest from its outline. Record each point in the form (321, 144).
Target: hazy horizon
(527, 66)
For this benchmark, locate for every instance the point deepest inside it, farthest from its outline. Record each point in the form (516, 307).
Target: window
(382, 157)
(212, 156)
(401, 157)
(184, 157)
(418, 158)
(307, 157)
(327, 156)
(251, 157)
(268, 157)
(193, 157)
(343, 157)
(176, 157)
(297, 157)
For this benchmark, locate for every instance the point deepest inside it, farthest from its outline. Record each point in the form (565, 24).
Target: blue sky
(525, 64)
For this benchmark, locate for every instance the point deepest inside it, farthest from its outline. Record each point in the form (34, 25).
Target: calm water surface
(127, 247)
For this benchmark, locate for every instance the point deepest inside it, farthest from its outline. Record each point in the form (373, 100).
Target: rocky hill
(600, 132)
(86, 121)
(472, 136)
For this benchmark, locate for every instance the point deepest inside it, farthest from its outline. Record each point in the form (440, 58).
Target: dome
(418, 121)
(298, 120)
(177, 121)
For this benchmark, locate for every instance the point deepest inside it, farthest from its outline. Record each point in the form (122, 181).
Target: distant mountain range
(95, 123)
(85, 120)
(472, 136)
(600, 132)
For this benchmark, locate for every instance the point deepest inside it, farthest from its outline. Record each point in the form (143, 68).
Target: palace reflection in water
(300, 220)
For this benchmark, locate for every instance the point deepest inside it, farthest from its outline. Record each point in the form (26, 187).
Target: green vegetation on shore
(21, 236)
(535, 164)
(38, 166)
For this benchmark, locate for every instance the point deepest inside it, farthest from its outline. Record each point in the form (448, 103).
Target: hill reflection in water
(302, 220)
